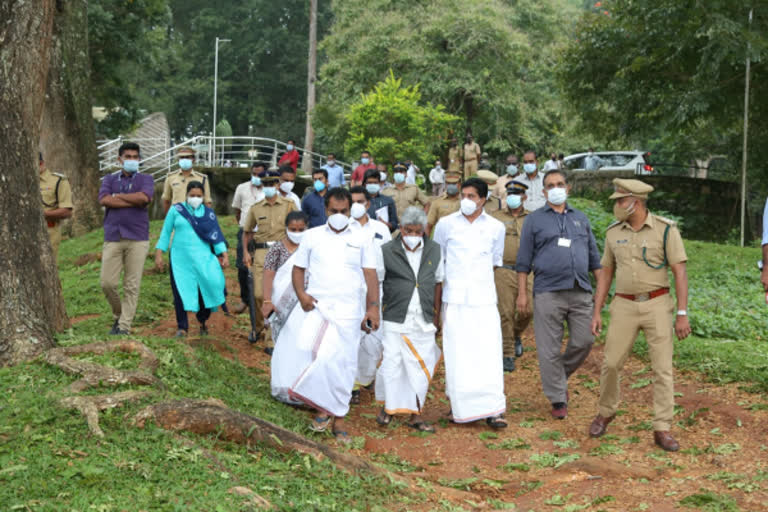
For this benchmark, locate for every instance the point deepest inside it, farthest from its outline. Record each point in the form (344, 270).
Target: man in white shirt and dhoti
(413, 275)
(342, 265)
(472, 245)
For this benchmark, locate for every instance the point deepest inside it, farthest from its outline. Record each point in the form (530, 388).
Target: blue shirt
(555, 266)
(380, 201)
(335, 175)
(130, 223)
(314, 206)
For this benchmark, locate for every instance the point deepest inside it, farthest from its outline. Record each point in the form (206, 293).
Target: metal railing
(108, 151)
(232, 151)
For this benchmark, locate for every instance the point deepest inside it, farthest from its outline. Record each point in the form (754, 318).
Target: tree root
(90, 406)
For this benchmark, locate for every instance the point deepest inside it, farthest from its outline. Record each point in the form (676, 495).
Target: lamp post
(744, 147)
(215, 91)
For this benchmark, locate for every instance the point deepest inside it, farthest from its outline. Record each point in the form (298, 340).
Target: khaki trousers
(54, 234)
(470, 168)
(512, 323)
(655, 319)
(257, 269)
(126, 256)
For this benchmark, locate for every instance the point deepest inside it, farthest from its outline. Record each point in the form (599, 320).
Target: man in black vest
(412, 297)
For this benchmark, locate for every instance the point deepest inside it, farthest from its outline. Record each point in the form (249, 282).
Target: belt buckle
(642, 297)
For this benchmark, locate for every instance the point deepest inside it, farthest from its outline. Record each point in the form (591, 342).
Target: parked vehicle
(637, 162)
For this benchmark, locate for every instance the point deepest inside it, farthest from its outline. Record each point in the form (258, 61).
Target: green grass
(48, 460)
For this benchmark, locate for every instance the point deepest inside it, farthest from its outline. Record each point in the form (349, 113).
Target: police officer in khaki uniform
(471, 157)
(638, 249)
(447, 203)
(493, 203)
(57, 203)
(175, 187)
(455, 163)
(513, 322)
(405, 195)
(265, 225)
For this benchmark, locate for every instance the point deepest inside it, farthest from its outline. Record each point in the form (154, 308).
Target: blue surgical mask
(557, 195)
(514, 201)
(512, 169)
(399, 177)
(185, 164)
(319, 186)
(289, 147)
(131, 166)
(529, 168)
(255, 181)
(269, 192)
(372, 188)
(365, 161)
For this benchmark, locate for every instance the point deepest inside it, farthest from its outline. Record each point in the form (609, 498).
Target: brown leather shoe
(240, 308)
(599, 425)
(665, 440)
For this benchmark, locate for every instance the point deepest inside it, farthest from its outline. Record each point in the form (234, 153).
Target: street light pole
(744, 147)
(215, 91)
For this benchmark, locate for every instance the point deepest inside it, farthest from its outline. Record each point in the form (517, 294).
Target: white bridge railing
(219, 152)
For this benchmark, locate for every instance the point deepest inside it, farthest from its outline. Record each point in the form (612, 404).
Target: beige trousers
(126, 256)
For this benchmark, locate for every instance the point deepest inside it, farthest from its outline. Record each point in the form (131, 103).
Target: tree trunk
(30, 293)
(67, 139)
(309, 134)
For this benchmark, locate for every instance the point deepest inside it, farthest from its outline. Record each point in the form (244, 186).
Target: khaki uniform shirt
(441, 207)
(175, 187)
(624, 252)
(472, 152)
(493, 204)
(267, 221)
(454, 159)
(513, 226)
(52, 198)
(500, 188)
(408, 196)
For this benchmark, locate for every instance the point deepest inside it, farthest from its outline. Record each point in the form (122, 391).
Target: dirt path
(543, 464)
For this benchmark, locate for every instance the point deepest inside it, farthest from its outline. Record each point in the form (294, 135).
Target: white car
(635, 161)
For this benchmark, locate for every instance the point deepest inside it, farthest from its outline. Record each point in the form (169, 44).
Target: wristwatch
(682, 312)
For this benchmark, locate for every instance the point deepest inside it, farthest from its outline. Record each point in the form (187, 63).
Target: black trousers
(242, 270)
(181, 316)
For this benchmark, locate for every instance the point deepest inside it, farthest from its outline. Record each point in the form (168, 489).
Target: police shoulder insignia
(59, 175)
(613, 225)
(665, 220)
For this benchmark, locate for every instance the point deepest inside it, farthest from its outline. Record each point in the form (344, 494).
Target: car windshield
(616, 160)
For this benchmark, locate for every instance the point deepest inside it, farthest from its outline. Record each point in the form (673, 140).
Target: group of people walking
(354, 287)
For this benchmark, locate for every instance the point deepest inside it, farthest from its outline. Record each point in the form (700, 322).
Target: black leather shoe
(518, 346)
(509, 364)
(115, 328)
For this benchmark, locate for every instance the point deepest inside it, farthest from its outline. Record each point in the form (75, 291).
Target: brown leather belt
(642, 297)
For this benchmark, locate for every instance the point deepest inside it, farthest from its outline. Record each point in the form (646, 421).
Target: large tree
(30, 294)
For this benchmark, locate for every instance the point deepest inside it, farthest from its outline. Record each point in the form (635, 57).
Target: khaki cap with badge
(626, 187)
(487, 176)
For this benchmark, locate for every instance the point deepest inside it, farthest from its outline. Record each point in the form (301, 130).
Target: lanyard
(561, 221)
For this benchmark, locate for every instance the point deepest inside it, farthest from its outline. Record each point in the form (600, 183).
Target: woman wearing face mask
(290, 157)
(198, 257)
(278, 293)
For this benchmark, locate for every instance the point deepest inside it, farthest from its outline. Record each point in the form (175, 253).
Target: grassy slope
(48, 461)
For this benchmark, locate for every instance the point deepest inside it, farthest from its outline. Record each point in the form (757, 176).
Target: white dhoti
(370, 353)
(474, 374)
(409, 363)
(322, 362)
(288, 358)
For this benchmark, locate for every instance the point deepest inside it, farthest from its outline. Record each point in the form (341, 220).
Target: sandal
(422, 426)
(383, 418)
(320, 424)
(342, 436)
(497, 422)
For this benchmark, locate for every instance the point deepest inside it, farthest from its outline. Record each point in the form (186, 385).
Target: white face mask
(195, 202)
(412, 241)
(338, 221)
(295, 236)
(557, 196)
(357, 210)
(286, 186)
(468, 206)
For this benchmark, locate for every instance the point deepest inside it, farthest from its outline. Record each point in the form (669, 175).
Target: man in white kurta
(378, 234)
(341, 264)
(411, 355)
(472, 245)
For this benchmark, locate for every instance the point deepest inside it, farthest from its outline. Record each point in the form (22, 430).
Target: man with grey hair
(413, 275)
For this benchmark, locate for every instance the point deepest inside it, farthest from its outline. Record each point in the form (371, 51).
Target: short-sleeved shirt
(442, 206)
(471, 152)
(535, 194)
(276, 256)
(454, 159)
(513, 228)
(560, 249)
(492, 204)
(246, 195)
(470, 250)
(335, 262)
(410, 195)
(126, 223)
(314, 206)
(335, 175)
(359, 172)
(55, 191)
(175, 186)
(267, 220)
(624, 250)
(380, 201)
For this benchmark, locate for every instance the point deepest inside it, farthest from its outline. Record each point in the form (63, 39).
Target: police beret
(626, 187)
(516, 187)
(185, 151)
(487, 176)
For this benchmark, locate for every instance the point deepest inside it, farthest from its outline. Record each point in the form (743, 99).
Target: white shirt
(335, 263)
(410, 175)
(294, 197)
(437, 175)
(414, 317)
(378, 233)
(246, 195)
(535, 193)
(550, 165)
(470, 251)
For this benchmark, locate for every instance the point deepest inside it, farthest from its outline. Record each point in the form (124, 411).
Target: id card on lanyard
(563, 241)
